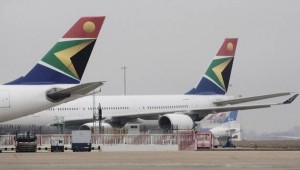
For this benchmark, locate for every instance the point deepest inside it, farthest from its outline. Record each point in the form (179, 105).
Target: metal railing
(114, 139)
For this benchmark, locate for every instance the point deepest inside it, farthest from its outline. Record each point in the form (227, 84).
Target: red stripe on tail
(85, 27)
(228, 47)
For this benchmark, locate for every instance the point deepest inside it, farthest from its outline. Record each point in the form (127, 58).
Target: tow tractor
(25, 142)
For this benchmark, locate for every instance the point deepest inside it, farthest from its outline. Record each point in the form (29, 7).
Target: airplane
(55, 78)
(171, 111)
(221, 125)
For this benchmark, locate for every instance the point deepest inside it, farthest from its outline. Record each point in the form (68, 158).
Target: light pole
(100, 117)
(124, 68)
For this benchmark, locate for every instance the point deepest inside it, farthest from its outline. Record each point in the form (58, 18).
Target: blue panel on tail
(231, 117)
(206, 87)
(43, 75)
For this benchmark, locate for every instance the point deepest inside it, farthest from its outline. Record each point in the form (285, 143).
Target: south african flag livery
(217, 76)
(66, 61)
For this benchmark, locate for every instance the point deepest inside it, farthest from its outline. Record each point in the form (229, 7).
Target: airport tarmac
(191, 160)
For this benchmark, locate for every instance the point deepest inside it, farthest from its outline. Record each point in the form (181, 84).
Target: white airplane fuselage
(226, 129)
(139, 106)
(22, 100)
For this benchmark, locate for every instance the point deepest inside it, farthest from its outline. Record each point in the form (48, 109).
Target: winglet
(291, 99)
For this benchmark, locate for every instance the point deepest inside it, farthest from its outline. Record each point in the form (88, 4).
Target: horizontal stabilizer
(56, 95)
(249, 99)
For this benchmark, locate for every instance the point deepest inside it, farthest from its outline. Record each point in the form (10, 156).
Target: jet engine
(106, 128)
(175, 122)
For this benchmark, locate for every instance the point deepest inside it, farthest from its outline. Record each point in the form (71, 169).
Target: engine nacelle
(106, 127)
(175, 122)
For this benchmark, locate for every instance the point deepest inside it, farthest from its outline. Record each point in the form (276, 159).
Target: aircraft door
(4, 99)
(186, 101)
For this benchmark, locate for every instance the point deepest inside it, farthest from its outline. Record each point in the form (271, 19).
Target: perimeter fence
(115, 139)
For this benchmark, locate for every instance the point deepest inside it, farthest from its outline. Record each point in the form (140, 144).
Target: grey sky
(167, 45)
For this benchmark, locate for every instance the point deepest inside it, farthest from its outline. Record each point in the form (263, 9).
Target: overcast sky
(167, 45)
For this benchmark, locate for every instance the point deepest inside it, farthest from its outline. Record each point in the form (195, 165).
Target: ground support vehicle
(26, 142)
(81, 141)
(57, 144)
(203, 140)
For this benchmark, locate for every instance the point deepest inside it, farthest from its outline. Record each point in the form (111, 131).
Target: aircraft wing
(82, 89)
(243, 107)
(155, 115)
(236, 107)
(246, 107)
(249, 99)
(205, 111)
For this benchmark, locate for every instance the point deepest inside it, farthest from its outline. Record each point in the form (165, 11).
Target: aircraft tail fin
(217, 76)
(215, 119)
(231, 116)
(66, 61)
(220, 118)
